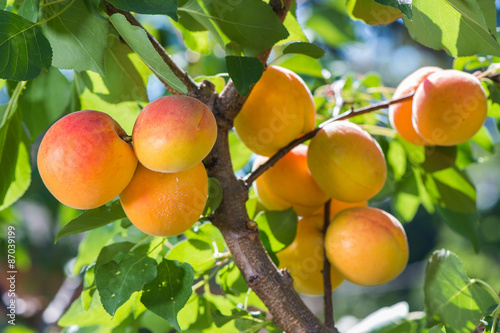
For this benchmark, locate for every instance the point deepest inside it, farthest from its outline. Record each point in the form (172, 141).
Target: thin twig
(182, 75)
(251, 177)
(327, 283)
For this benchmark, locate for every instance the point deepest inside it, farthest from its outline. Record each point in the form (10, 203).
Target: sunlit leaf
(138, 40)
(307, 49)
(451, 297)
(458, 27)
(78, 38)
(279, 227)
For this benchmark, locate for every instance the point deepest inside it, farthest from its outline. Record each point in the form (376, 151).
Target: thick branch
(274, 287)
(182, 75)
(251, 177)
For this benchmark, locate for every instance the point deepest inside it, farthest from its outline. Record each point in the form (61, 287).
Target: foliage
(57, 57)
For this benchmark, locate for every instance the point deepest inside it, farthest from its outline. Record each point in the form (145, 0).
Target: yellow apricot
(279, 109)
(289, 184)
(346, 162)
(366, 245)
(165, 204)
(449, 107)
(400, 114)
(305, 258)
(371, 12)
(174, 133)
(83, 160)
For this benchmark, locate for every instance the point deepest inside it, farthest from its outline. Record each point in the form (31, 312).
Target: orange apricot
(174, 133)
(279, 109)
(289, 184)
(83, 160)
(346, 162)
(368, 246)
(165, 204)
(449, 107)
(305, 258)
(400, 114)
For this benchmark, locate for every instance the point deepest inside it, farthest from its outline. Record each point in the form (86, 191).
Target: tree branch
(182, 75)
(327, 283)
(251, 177)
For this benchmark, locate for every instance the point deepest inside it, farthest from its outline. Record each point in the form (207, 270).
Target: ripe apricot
(449, 107)
(174, 133)
(165, 204)
(366, 245)
(289, 184)
(83, 160)
(400, 114)
(278, 110)
(346, 162)
(373, 13)
(305, 258)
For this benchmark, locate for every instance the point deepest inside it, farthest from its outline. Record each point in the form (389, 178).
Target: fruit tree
(249, 166)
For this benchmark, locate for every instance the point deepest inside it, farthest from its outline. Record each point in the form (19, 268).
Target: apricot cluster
(448, 107)
(342, 163)
(85, 161)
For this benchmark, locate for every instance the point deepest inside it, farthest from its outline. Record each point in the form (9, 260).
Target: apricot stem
(251, 177)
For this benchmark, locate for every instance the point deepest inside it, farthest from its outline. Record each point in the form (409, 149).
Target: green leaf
(29, 10)
(451, 297)
(244, 71)
(43, 101)
(456, 26)
(331, 23)
(90, 247)
(208, 233)
(109, 252)
(124, 80)
(454, 197)
(196, 252)
(405, 201)
(240, 154)
(214, 196)
(95, 314)
(25, 50)
(218, 81)
(280, 227)
(3, 3)
(308, 49)
(15, 177)
(138, 40)
(167, 294)
(118, 279)
(396, 157)
(301, 64)
(78, 38)
(93, 218)
(193, 18)
(251, 23)
(168, 7)
(403, 5)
